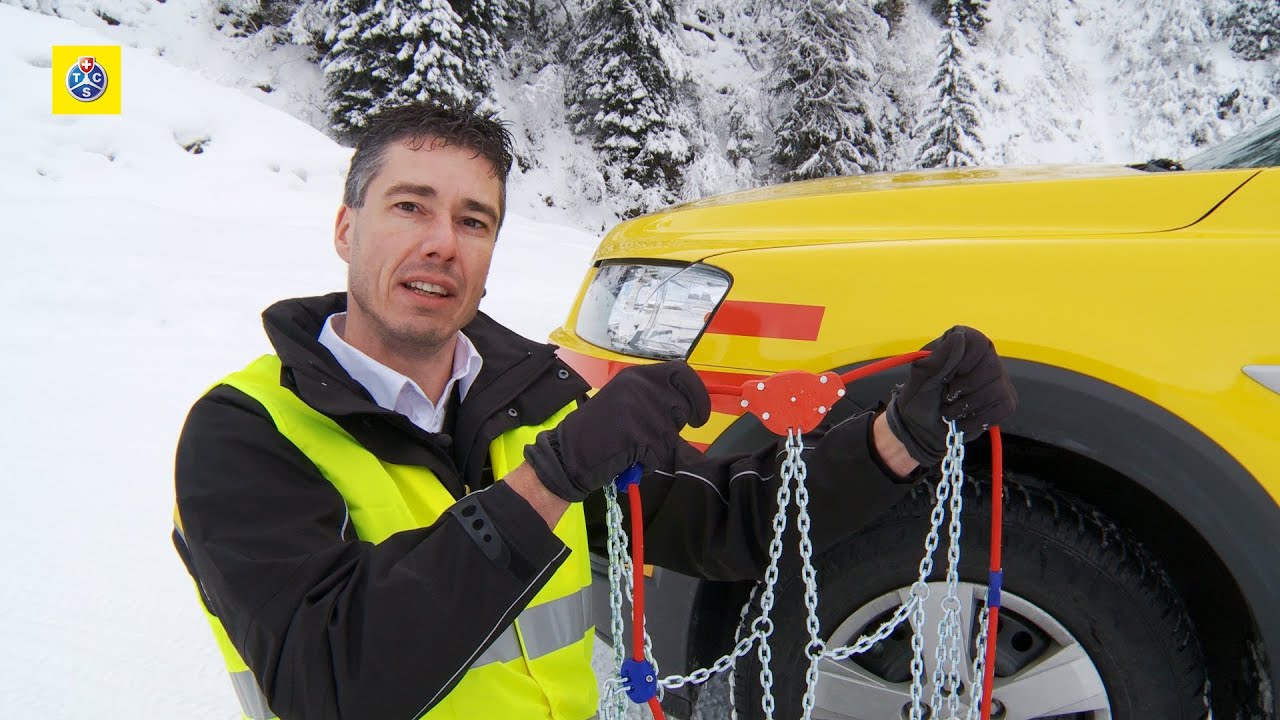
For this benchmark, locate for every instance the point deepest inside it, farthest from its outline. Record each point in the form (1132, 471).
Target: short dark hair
(415, 123)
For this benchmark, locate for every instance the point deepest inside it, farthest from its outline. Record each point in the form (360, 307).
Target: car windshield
(1259, 147)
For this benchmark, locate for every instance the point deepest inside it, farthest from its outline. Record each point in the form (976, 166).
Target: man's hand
(636, 417)
(962, 380)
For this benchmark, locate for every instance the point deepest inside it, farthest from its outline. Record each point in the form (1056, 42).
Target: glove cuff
(546, 460)
(919, 449)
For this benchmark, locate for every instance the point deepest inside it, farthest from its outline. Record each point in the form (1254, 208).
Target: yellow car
(1138, 309)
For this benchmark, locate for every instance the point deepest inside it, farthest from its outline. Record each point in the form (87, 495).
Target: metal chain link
(614, 700)
(764, 623)
(947, 655)
(920, 592)
(737, 639)
(701, 675)
(946, 671)
(814, 649)
(952, 604)
(866, 642)
(979, 666)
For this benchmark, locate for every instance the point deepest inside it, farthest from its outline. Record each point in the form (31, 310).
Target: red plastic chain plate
(792, 400)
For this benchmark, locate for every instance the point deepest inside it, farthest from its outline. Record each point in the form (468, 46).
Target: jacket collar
(521, 383)
(293, 326)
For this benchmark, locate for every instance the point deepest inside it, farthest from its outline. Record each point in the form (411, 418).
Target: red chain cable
(885, 364)
(997, 572)
(637, 576)
(637, 591)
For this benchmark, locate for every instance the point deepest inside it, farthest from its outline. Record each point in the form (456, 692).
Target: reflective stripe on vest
(547, 628)
(540, 666)
(252, 702)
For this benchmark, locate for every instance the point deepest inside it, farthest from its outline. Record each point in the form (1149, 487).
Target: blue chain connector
(640, 680)
(629, 477)
(995, 580)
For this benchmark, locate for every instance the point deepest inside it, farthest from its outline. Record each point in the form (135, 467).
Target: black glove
(962, 380)
(636, 417)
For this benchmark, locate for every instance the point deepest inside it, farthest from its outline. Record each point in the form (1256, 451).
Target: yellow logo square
(86, 79)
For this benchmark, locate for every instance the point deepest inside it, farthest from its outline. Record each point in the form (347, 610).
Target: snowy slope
(183, 33)
(133, 275)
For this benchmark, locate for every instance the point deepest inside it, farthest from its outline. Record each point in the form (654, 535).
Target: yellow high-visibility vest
(540, 667)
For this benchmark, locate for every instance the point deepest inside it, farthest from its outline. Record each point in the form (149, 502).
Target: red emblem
(795, 400)
(87, 64)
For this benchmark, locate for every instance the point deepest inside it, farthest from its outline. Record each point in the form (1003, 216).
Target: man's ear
(342, 233)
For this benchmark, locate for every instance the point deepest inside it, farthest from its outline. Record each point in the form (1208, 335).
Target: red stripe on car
(782, 321)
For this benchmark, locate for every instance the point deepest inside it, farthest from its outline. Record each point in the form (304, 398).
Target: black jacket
(334, 627)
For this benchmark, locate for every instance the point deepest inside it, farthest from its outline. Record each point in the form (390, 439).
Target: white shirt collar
(397, 392)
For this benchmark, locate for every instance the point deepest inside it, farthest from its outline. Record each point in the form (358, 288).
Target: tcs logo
(86, 79)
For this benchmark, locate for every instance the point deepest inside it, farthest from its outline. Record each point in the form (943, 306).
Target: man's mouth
(427, 288)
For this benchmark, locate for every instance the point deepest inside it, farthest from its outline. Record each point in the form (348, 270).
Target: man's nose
(439, 239)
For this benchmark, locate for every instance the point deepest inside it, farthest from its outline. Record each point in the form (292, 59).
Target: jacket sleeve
(332, 626)
(712, 517)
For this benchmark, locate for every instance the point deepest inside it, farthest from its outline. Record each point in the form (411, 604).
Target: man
(337, 503)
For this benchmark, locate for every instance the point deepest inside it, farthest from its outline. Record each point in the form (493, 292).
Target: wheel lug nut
(926, 711)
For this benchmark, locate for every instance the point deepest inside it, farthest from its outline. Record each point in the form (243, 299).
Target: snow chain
(946, 680)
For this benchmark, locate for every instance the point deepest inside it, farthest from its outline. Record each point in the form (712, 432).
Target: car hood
(1040, 201)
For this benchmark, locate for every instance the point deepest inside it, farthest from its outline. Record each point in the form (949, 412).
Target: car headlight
(654, 311)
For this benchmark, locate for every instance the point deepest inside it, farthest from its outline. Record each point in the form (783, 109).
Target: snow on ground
(182, 32)
(133, 276)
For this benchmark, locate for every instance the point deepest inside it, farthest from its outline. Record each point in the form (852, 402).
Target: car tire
(1075, 576)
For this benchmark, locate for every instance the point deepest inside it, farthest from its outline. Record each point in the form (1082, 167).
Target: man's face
(419, 249)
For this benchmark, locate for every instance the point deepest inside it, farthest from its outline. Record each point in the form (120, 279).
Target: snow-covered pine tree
(622, 95)
(250, 17)
(743, 144)
(829, 124)
(891, 10)
(972, 15)
(949, 130)
(496, 18)
(488, 27)
(385, 52)
(357, 44)
(1254, 28)
(483, 24)
(444, 70)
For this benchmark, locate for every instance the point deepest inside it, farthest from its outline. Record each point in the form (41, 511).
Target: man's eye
(407, 206)
(474, 223)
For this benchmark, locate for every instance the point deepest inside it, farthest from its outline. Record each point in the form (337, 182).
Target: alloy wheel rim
(1057, 679)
